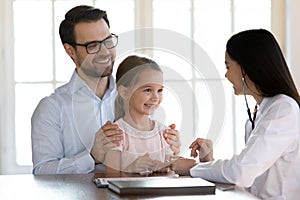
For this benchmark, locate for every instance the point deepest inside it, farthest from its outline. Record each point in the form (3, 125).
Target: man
(67, 136)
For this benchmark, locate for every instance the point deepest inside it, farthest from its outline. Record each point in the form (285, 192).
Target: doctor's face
(234, 74)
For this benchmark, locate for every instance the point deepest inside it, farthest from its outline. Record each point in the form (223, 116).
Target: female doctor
(268, 166)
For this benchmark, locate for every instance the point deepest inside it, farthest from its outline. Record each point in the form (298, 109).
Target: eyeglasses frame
(100, 42)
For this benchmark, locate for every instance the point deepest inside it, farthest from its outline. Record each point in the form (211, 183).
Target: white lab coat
(269, 164)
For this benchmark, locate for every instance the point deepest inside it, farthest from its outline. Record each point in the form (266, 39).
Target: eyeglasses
(95, 46)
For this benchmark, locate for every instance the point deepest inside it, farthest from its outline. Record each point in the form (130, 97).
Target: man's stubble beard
(93, 72)
(108, 70)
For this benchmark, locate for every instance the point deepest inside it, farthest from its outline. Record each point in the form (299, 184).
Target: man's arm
(47, 143)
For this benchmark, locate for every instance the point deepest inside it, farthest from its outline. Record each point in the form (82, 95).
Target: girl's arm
(141, 164)
(113, 161)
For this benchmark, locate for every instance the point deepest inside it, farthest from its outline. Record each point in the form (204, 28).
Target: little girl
(140, 86)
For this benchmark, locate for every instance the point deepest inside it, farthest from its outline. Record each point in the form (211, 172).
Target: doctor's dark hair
(76, 15)
(261, 59)
(128, 74)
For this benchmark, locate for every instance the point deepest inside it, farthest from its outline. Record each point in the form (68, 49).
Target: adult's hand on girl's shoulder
(107, 137)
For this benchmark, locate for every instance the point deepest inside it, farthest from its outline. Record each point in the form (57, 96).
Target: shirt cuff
(84, 162)
(211, 171)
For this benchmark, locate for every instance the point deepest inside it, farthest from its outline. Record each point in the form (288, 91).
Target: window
(209, 24)
(40, 64)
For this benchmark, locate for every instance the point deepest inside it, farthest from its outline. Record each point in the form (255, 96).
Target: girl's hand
(172, 138)
(141, 164)
(182, 166)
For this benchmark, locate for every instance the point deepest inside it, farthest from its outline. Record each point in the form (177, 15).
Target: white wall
(6, 52)
(293, 38)
(1, 75)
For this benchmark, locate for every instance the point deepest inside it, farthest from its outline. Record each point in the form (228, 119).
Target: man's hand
(107, 137)
(172, 138)
(203, 148)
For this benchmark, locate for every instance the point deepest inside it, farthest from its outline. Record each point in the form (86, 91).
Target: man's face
(93, 65)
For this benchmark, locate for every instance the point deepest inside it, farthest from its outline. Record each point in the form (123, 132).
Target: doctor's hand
(172, 138)
(107, 137)
(203, 148)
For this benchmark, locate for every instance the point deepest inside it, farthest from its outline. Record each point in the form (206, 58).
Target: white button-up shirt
(63, 127)
(269, 164)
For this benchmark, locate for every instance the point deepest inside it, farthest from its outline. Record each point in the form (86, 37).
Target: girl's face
(147, 93)
(234, 74)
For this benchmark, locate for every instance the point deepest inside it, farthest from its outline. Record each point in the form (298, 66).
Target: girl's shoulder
(160, 126)
(119, 121)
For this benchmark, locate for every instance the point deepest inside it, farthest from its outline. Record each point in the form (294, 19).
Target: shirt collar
(264, 103)
(111, 87)
(77, 83)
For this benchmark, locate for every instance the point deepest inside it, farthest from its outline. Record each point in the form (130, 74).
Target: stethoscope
(252, 120)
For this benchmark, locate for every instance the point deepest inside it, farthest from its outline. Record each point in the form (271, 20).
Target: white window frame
(7, 136)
